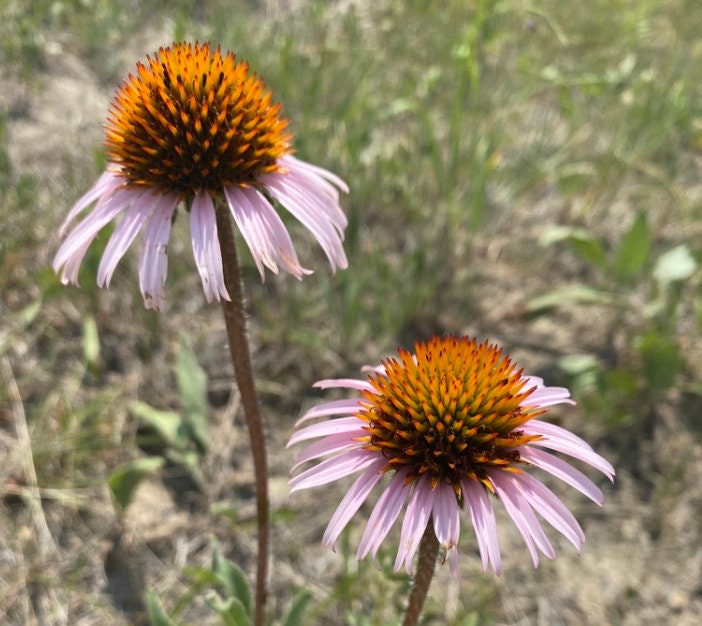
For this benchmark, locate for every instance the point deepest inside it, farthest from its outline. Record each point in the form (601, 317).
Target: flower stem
(235, 322)
(426, 563)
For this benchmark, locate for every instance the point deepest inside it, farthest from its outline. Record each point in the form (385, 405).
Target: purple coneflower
(454, 425)
(194, 126)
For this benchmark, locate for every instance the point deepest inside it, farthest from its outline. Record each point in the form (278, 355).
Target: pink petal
(263, 231)
(482, 516)
(545, 502)
(447, 522)
(73, 249)
(324, 447)
(153, 259)
(294, 163)
(561, 440)
(123, 237)
(352, 501)
(208, 256)
(351, 426)
(560, 469)
(383, 516)
(335, 407)
(332, 469)
(544, 396)
(315, 209)
(522, 516)
(107, 184)
(415, 522)
(343, 383)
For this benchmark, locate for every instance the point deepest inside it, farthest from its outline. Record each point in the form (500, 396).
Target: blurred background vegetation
(527, 172)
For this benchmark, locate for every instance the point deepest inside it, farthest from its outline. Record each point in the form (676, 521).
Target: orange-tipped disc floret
(194, 120)
(450, 411)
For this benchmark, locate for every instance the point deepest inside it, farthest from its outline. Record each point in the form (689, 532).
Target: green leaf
(634, 248)
(91, 342)
(674, 265)
(568, 294)
(662, 360)
(582, 242)
(296, 615)
(232, 579)
(231, 610)
(192, 382)
(124, 480)
(157, 614)
(168, 424)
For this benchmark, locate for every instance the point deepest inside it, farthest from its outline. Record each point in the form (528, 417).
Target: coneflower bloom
(193, 126)
(454, 426)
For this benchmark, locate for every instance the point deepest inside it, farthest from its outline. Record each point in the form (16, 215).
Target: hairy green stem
(426, 564)
(235, 320)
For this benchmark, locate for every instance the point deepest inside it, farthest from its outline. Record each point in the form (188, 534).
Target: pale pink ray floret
(309, 193)
(340, 444)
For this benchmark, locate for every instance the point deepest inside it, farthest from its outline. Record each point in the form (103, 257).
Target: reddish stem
(426, 564)
(235, 321)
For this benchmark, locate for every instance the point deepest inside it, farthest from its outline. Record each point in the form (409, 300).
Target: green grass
(466, 133)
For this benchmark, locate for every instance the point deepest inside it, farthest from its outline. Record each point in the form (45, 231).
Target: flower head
(191, 126)
(455, 426)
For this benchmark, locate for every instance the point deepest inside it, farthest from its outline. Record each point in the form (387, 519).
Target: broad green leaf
(674, 265)
(231, 610)
(633, 249)
(232, 579)
(192, 382)
(168, 424)
(582, 242)
(157, 614)
(662, 361)
(296, 615)
(124, 480)
(568, 294)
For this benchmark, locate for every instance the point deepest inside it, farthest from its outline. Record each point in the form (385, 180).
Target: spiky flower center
(451, 411)
(192, 120)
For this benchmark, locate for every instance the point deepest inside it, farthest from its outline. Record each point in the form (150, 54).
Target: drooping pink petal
(315, 209)
(415, 522)
(73, 249)
(383, 516)
(482, 516)
(343, 383)
(545, 502)
(352, 501)
(332, 189)
(561, 440)
(351, 426)
(337, 467)
(522, 515)
(325, 447)
(153, 258)
(335, 407)
(263, 231)
(544, 396)
(123, 236)
(104, 187)
(208, 256)
(447, 522)
(560, 469)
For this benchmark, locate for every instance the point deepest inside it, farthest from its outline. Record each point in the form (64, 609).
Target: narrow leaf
(192, 382)
(124, 480)
(633, 249)
(157, 614)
